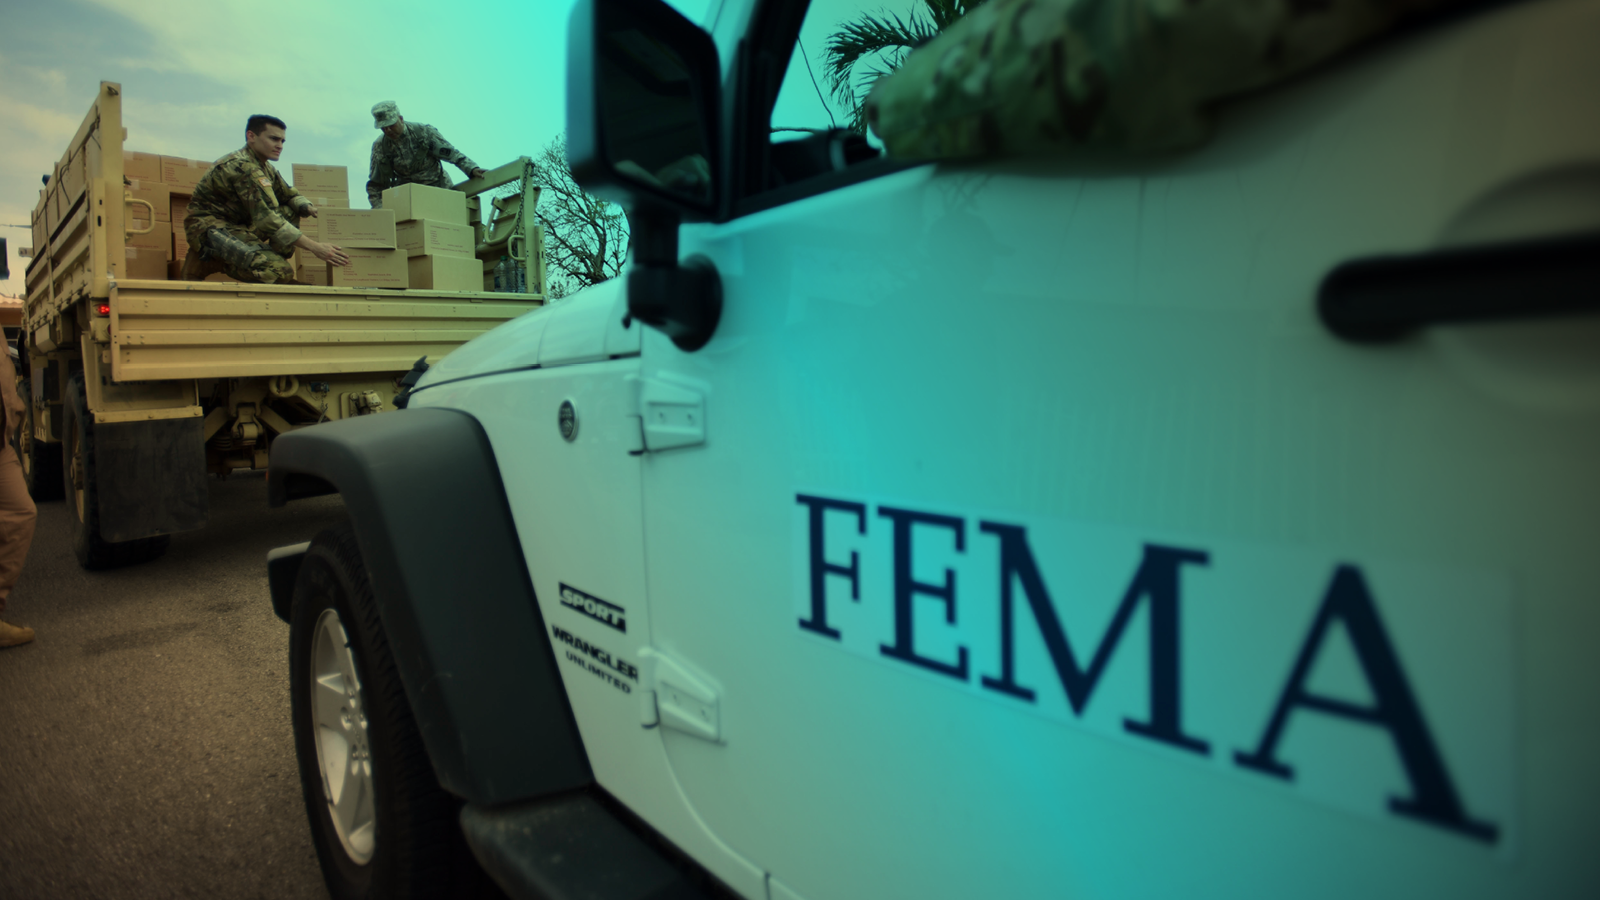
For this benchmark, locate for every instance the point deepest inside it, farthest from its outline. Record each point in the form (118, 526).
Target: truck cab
(1204, 522)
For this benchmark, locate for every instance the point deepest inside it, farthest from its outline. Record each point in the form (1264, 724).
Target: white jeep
(1215, 523)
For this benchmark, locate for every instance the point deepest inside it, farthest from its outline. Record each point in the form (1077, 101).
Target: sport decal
(593, 607)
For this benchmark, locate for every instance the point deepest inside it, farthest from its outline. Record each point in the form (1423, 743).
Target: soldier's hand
(479, 173)
(311, 211)
(330, 254)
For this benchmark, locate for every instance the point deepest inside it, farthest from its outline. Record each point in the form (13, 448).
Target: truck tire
(41, 463)
(81, 490)
(381, 824)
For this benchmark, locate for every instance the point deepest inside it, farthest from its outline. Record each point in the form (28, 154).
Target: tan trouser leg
(17, 515)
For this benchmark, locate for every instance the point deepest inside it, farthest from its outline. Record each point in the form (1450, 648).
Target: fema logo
(567, 418)
(595, 608)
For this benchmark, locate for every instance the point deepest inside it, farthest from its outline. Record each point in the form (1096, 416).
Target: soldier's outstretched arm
(443, 150)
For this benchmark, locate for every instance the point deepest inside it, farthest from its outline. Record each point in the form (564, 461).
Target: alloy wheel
(344, 755)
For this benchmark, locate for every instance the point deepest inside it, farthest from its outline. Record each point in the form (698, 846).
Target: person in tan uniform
(17, 512)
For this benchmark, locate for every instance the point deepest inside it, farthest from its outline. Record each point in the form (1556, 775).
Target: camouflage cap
(384, 114)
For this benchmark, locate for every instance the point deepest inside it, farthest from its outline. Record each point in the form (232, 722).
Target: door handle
(1384, 298)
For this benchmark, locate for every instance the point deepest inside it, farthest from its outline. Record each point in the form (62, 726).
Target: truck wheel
(381, 824)
(41, 463)
(81, 490)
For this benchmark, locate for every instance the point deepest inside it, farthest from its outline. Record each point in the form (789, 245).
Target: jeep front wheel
(381, 824)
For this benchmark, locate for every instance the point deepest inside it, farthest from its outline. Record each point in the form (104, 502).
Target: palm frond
(886, 39)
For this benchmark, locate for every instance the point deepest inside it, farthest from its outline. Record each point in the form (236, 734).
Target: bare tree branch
(586, 238)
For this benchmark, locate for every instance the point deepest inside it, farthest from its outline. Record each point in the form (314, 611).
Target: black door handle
(1384, 298)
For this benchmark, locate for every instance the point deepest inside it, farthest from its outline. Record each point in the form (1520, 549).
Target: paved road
(144, 737)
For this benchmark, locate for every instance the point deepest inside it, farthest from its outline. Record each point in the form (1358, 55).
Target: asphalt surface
(145, 748)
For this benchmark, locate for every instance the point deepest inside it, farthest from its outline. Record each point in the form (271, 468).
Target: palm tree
(878, 44)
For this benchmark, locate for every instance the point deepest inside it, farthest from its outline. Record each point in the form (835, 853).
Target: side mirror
(642, 111)
(642, 106)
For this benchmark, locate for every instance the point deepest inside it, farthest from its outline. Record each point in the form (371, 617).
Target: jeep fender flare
(430, 515)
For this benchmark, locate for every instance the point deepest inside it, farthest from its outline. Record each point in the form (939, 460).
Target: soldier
(410, 153)
(17, 512)
(244, 219)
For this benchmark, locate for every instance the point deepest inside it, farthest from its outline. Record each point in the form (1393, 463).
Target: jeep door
(1037, 538)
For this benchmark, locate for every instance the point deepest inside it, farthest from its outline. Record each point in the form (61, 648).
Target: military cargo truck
(139, 389)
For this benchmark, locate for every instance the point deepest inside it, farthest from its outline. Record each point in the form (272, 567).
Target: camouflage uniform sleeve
(379, 173)
(442, 150)
(1027, 77)
(256, 195)
(290, 197)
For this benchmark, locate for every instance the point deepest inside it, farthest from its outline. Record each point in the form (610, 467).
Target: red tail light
(103, 309)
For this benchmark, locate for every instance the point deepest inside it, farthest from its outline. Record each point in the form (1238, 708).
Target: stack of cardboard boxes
(434, 238)
(322, 185)
(166, 183)
(367, 236)
(328, 188)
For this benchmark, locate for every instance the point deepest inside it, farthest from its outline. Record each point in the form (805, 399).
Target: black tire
(80, 488)
(41, 463)
(417, 849)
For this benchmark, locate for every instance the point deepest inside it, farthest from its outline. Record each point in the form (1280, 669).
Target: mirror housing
(642, 111)
(642, 107)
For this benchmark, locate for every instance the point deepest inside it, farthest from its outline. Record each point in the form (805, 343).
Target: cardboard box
(366, 228)
(314, 271)
(156, 194)
(371, 267)
(303, 259)
(159, 237)
(418, 201)
(180, 241)
(321, 180)
(143, 262)
(182, 174)
(308, 262)
(177, 208)
(141, 166)
(331, 201)
(425, 237)
(445, 273)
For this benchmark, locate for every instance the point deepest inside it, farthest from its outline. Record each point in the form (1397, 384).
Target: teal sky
(489, 75)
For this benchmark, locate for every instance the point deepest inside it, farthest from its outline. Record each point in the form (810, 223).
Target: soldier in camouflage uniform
(410, 153)
(244, 219)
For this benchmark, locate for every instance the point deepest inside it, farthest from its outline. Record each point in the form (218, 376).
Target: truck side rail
(202, 329)
(78, 222)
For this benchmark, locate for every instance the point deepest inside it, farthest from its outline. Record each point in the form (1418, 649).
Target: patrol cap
(384, 114)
